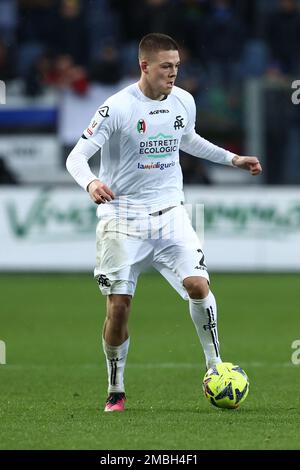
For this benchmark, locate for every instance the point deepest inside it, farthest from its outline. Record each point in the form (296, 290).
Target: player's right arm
(99, 192)
(104, 122)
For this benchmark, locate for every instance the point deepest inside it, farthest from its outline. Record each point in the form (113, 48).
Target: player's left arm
(195, 145)
(251, 164)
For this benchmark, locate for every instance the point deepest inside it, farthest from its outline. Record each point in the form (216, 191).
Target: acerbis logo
(157, 111)
(103, 111)
(178, 124)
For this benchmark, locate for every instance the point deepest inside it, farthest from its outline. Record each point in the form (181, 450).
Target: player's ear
(144, 66)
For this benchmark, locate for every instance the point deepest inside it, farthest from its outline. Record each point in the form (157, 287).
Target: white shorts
(167, 242)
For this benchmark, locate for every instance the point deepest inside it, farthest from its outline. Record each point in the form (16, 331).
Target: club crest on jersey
(178, 124)
(103, 111)
(141, 126)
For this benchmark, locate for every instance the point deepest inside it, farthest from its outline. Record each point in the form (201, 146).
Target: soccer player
(142, 220)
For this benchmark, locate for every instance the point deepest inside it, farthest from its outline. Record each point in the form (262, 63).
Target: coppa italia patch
(141, 126)
(103, 111)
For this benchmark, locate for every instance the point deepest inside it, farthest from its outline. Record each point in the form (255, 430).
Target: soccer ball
(226, 385)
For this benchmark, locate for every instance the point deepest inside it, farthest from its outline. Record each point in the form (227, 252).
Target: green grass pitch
(53, 386)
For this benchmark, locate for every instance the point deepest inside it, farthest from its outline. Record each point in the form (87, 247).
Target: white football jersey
(140, 140)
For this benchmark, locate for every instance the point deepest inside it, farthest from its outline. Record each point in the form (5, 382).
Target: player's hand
(99, 192)
(251, 164)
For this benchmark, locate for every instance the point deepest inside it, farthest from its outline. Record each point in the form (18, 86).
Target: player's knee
(197, 287)
(118, 308)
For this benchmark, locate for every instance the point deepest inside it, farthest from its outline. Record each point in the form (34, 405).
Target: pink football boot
(115, 402)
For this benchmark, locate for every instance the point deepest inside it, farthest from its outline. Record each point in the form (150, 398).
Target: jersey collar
(145, 98)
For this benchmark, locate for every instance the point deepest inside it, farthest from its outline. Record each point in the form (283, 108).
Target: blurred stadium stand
(60, 59)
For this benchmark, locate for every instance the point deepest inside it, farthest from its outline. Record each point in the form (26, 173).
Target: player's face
(162, 70)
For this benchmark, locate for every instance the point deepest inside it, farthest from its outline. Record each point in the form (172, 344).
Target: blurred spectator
(8, 20)
(255, 59)
(6, 175)
(191, 16)
(160, 16)
(7, 70)
(143, 17)
(37, 21)
(71, 36)
(224, 37)
(191, 76)
(70, 76)
(59, 72)
(36, 31)
(68, 44)
(40, 75)
(283, 37)
(107, 69)
(103, 23)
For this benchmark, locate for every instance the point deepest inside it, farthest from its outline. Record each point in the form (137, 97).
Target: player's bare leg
(203, 311)
(115, 329)
(115, 346)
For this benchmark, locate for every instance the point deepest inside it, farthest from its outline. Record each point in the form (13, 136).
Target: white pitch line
(187, 365)
(162, 365)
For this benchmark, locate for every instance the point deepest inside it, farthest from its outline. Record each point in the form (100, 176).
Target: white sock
(204, 316)
(115, 361)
